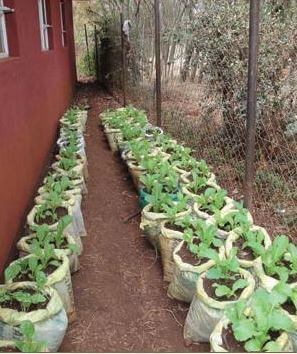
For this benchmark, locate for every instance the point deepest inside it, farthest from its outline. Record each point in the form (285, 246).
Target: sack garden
(36, 301)
(240, 283)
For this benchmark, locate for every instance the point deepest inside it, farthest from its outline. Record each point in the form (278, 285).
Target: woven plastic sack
(205, 312)
(216, 342)
(151, 223)
(185, 276)
(114, 137)
(60, 280)
(77, 227)
(233, 236)
(24, 250)
(135, 172)
(50, 323)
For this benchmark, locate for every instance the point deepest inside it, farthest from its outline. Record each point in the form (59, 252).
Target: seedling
(232, 219)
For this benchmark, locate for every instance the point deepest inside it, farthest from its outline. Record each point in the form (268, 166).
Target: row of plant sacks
(38, 285)
(241, 285)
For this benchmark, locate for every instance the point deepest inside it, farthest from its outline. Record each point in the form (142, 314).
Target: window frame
(4, 54)
(63, 23)
(44, 26)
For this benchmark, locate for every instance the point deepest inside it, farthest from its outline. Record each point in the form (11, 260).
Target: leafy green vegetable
(27, 343)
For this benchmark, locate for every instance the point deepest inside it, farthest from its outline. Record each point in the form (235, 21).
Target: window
(3, 34)
(63, 23)
(44, 25)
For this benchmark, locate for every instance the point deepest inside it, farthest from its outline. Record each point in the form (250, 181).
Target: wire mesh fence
(204, 56)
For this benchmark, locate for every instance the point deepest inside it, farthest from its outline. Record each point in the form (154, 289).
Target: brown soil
(60, 212)
(121, 300)
(9, 350)
(174, 227)
(15, 305)
(243, 253)
(210, 289)
(290, 307)
(187, 256)
(230, 343)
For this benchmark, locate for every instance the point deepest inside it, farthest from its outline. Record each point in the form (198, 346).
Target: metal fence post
(158, 63)
(124, 64)
(251, 101)
(87, 44)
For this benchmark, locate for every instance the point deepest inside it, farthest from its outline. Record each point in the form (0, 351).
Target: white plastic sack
(205, 312)
(60, 280)
(185, 276)
(151, 223)
(50, 323)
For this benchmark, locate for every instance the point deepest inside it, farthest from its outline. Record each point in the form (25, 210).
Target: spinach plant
(212, 200)
(24, 298)
(35, 266)
(226, 269)
(232, 219)
(280, 259)
(255, 327)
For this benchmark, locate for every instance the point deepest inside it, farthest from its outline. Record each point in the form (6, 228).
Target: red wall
(35, 89)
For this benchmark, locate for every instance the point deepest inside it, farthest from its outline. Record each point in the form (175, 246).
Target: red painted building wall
(36, 87)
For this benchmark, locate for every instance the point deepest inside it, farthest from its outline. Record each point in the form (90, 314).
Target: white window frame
(4, 54)
(63, 29)
(44, 26)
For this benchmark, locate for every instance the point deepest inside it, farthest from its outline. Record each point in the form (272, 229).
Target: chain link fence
(204, 55)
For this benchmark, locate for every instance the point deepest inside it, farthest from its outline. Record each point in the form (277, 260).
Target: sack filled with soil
(151, 223)
(222, 340)
(186, 272)
(49, 317)
(57, 276)
(207, 309)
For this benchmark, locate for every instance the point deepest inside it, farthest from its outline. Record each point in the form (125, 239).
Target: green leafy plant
(25, 298)
(198, 183)
(44, 235)
(212, 200)
(27, 343)
(226, 269)
(48, 209)
(34, 267)
(232, 219)
(253, 240)
(280, 259)
(254, 324)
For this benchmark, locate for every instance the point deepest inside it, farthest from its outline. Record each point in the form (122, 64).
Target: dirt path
(119, 293)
